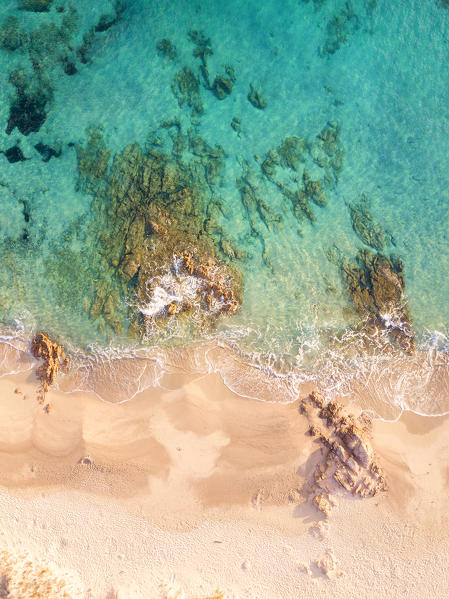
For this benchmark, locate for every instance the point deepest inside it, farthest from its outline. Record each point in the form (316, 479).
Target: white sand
(197, 489)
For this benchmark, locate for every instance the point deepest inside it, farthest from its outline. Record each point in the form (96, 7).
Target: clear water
(378, 71)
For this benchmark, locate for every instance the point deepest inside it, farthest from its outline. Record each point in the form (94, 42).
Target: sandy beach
(192, 490)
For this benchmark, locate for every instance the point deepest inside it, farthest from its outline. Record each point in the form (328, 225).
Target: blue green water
(376, 72)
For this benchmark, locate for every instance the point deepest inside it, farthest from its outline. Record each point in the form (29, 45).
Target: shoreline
(199, 484)
(426, 374)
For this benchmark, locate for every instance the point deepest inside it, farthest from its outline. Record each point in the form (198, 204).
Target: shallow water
(377, 73)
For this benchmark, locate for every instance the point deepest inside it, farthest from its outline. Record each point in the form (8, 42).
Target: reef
(339, 29)
(375, 285)
(347, 463)
(166, 48)
(52, 354)
(222, 87)
(296, 155)
(11, 37)
(256, 98)
(365, 227)
(186, 88)
(35, 5)
(149, 228)
(47, 152)
(92, 161)
(28, 110)
(14, 154)
(222, 84)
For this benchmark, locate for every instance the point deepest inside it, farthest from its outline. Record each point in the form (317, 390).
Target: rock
(322, 504)
(348, 461)
(255, 98)
(47, 152)
(166, 48)
(366, 228)
(186, 88)
(375, 285)
(292, 152)
(52, 354)
(11, 36)
(14, 154)
(222, 87)
(35, 5)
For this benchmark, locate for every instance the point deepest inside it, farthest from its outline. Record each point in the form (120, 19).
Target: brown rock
(52, 354)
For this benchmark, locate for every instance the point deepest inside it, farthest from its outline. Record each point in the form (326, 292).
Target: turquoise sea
(303, 131)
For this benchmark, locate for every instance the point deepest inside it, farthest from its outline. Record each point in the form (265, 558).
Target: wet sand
(191, 488)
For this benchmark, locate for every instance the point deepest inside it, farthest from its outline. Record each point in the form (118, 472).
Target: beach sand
(189, 489)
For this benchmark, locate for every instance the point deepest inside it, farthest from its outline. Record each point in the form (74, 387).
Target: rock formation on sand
(52, 354)
(348, 462)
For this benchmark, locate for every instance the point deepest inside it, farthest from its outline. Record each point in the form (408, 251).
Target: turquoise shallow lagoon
(323, 129)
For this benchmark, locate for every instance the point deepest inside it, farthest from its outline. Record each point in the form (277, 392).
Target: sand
(190, 489)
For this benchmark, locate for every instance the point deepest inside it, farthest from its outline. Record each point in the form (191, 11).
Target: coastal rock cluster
(150, 211)
(52, 354)
(348, 462)
(375, 285)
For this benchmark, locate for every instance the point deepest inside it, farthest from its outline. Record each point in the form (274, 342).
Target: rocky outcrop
(52, 354)
(375, 285)
(150, 213)
(347, 459)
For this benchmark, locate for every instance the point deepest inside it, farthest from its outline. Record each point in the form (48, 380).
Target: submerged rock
(35, 5)
(339, 29)
(366, 228)
(14, 154)
(256, 98)
(292, 152)
(150, 211)
(92, 161)
(47, 152)
(28, 109)
(166, 48)
(375, 285)
(186, 88)
(222, 87)
(11, 36)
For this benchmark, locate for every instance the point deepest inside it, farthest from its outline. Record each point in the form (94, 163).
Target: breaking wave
(363, 368)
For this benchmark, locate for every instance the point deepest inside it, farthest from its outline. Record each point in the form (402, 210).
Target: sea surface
(316, 128)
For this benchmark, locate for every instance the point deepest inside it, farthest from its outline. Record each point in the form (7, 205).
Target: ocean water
(309, 130)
